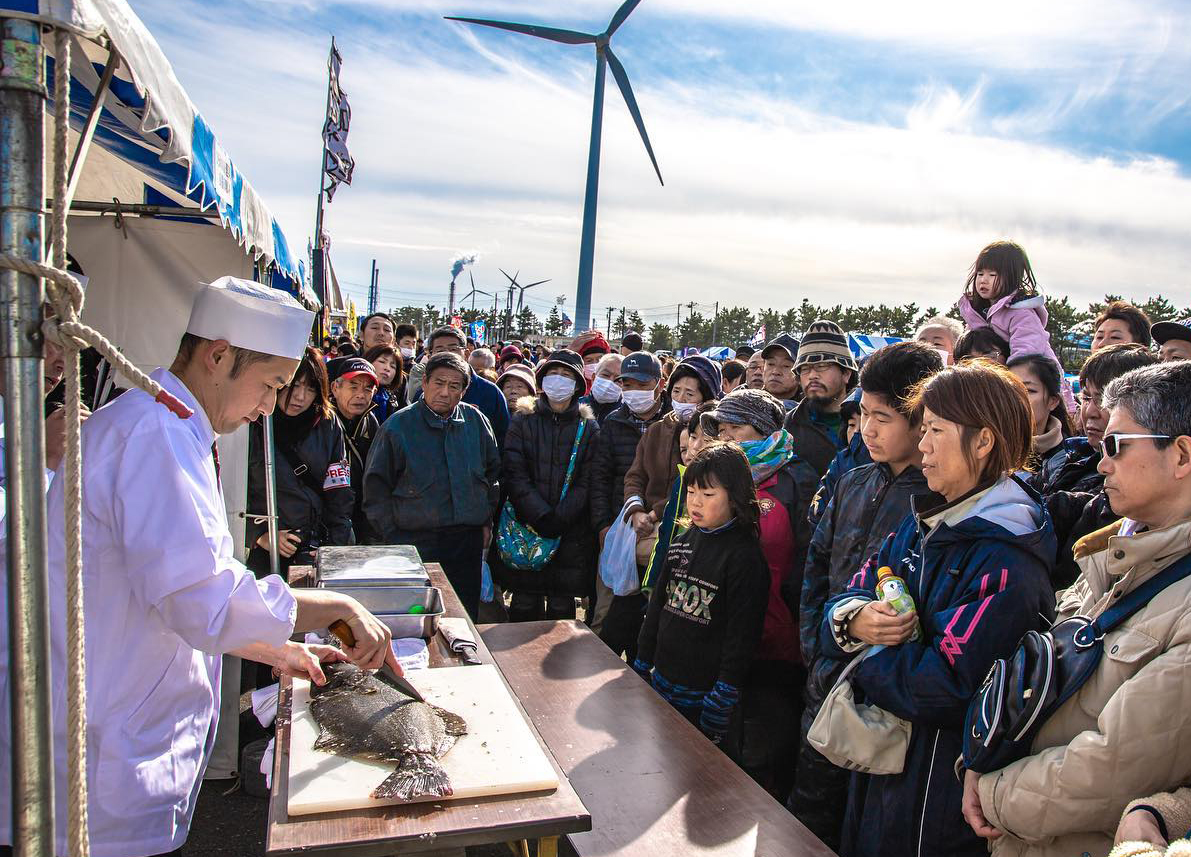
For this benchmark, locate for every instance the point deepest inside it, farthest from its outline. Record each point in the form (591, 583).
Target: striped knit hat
(825, 342)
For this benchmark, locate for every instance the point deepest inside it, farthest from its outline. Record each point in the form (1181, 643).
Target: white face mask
(558, 388)
(407, 353)
(589, 370)
(684, 410)
(605, 392)
(639, 401)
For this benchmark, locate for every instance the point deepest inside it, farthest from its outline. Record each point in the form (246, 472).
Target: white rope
(65, 294)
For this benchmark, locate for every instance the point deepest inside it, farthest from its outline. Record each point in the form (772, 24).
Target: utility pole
(610, 322)
(715, 324)
(622, 327)
(372, 290)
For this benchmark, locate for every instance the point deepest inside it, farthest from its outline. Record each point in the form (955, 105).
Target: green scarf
(768, 455)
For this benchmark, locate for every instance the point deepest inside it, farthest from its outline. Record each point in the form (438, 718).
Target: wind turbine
(474, 291)
(605, 58)
(513, 284)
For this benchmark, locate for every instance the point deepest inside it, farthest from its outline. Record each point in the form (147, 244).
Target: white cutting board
(498, 755)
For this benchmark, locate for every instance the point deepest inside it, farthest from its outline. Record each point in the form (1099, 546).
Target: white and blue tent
(150, 125)
(863, 344)
(154, 152)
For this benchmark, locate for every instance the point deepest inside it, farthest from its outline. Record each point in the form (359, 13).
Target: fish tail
(417, 777)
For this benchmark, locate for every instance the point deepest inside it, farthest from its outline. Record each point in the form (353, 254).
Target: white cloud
(765, 201)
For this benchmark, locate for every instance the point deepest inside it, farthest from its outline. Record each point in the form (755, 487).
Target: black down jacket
(313, 493)
(619, 435)
(533, 469)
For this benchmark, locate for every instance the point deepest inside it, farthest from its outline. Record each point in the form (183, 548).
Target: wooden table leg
(548, 846)
(520, 847)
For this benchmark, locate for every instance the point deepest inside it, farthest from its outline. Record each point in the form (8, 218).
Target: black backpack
(1023, 691)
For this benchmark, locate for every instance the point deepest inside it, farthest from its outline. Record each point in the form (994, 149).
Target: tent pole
(84, 145)
(22, 190)
(271, 495)
(320, 287)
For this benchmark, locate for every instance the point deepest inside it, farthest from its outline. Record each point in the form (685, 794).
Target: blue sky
(853, 153)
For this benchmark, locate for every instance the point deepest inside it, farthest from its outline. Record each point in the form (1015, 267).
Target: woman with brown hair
(314, 495)
(974, 555)
(390, 391)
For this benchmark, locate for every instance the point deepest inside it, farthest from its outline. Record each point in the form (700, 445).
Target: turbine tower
(605, 58)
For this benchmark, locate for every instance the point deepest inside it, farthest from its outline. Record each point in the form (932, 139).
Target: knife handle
(343, 631)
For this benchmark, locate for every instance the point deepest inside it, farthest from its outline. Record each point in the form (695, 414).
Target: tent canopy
(151, 125)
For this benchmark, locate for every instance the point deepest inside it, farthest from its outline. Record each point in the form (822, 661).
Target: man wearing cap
(1173, 338)
(631, 342)
(164, 595)
(827, 372)
(643, 404)
(779, 378)
(353, 382)
(433, 479)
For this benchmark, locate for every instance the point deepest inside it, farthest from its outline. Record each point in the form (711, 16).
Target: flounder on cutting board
(362, 714)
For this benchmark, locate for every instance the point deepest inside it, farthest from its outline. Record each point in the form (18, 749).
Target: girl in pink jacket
(1002, 294)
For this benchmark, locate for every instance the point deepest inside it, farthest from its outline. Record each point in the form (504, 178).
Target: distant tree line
(1069, 327)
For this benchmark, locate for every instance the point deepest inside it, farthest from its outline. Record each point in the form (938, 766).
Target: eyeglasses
(1111, 444)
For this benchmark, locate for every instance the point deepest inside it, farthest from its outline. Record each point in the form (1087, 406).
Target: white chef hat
(252, 316)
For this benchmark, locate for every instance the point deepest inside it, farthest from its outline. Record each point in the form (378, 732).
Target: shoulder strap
(1139, 597)
(574, 455)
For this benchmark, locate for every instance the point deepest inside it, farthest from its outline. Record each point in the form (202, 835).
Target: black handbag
(1022, 692)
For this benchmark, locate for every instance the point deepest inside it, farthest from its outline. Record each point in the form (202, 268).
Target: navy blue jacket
(1072, 467)
(980, 579)
(492, 403)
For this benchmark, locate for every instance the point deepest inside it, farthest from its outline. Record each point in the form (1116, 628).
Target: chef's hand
(374, 641)
(55, 436)
(288, 542)
(302, 661)
(973, 811)
(879, 624)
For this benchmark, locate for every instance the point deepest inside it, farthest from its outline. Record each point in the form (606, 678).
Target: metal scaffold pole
(22, 194)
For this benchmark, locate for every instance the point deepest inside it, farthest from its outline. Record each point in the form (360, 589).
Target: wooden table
(653, 783)
(422, 828)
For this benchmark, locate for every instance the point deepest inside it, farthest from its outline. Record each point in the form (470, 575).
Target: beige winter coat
(1127, 732)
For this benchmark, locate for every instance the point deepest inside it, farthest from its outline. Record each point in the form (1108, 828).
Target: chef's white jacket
(164, 598)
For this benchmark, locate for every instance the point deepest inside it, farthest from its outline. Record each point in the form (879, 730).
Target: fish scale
(364, 715)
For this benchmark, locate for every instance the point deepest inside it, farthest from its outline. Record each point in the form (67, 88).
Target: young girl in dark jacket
(707, 610)
(314, 495)
(534, 465)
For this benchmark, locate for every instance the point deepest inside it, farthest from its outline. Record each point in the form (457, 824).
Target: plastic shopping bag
(618, 559)
(487, 590)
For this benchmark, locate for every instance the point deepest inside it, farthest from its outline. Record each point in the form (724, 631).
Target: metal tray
(391, 605)
(386, 565)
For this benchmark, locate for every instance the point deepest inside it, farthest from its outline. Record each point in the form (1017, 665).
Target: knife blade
(341, 630)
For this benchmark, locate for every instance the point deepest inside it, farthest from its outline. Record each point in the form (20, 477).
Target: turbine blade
(538, 283)
(471, 277)
(622, 80)
(623, 12)
(567, 37)
(510, 279)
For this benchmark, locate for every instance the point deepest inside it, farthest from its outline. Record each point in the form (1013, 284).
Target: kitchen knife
(341, 630)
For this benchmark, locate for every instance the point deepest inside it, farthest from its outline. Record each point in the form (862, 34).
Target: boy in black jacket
(707, 609)
(869, 503)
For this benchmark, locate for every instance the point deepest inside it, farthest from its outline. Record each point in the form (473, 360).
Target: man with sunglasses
(1124, 733)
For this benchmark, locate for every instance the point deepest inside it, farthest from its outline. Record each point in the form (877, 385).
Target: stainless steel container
(391, 604)
(388, 565)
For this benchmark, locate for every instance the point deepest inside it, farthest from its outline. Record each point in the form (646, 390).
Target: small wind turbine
(474, 291)
(513, 284)
(604, 58)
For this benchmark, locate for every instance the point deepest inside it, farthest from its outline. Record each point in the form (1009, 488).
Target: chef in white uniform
(164, 596)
